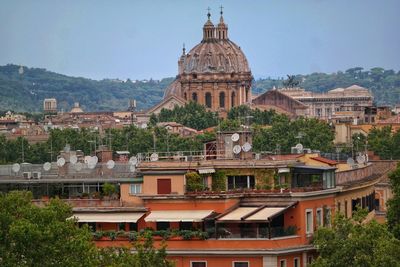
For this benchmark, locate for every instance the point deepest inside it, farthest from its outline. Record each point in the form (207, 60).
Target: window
(135, 189)
(233, 98)
(194, 97)
(185, 96)
(208, 100)
(319, 217)
(327, 219)
(121, 227)
(240, 264)
(309, 221)
(133, 227)
(309, 259)
(198, 264)
(185, 225)
(296, 262)
(162, 225)
(318, 111)
(243, 181)
(282, 263)
(339, 206)
(222, 100)
(163, 186)
(345, 208)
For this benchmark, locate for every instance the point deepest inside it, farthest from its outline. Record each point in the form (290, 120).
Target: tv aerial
(246, 147)
(78, 166)
(110, 164)
(16, 167)
(60, 162)
(235, 137)
(350, 161)
(73, 159)
(299, 147)
(236, 149)
(154, 157)
(47, 166)
(133, 160)
(360, 159)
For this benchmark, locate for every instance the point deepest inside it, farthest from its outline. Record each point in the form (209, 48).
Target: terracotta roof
(325, 160)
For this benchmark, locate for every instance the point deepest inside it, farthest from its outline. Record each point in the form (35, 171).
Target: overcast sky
(143, 39)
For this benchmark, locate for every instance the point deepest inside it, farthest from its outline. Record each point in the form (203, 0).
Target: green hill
(25, 92)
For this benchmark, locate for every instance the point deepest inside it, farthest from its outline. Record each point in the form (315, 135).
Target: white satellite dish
(143, 126)
(110, 164)
(87, 159)
(16, 167)
(132, 168)
(133, 160)
(235, 137)
(366, 158)
(237, 149)
(299, 146)
(246, 147)
(350, 161)
(47, 166)
(73, 159)
(360, 159)
(78, 166)
(91, 165)
(154, 157)
(60, 162)
(95, 159)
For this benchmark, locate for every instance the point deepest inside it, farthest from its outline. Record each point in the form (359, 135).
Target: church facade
(214, 73)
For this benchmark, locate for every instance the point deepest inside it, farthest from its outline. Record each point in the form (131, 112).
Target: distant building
(76, 108)
(338, 105)
(50, 105)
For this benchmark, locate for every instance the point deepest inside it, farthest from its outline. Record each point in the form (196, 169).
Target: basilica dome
(215, 56)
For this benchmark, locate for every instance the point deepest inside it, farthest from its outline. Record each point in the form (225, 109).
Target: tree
(393, 213)
(354, 242)
(41, 236)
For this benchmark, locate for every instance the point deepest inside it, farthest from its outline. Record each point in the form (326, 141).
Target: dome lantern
(208, 28)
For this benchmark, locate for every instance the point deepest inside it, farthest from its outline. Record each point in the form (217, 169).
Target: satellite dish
(91, 165)
(154, 157)
(237, 149)
(246, 147)
(47, 166)
(133, 160)
(235, 137)
(60, 162)
(132, 168)
(87, 159)
(350, 161)
(366, 158)
(95, 159)
(360, 159)
(16, 167)
(78, 166)
(73, 159)
(143, 126)
(110, 164)
(299, 146)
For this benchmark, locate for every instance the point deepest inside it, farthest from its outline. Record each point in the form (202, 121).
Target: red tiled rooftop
(325, 160)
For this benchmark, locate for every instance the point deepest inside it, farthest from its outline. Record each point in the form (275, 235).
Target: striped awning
(109, 217)
(206, 170)
(177, 215)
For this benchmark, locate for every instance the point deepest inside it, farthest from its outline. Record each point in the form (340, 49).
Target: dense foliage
(352, 242)
(284, 134)
(26, 91)
(393, 214)
(384, 142)
(192, 115)
(44, 236)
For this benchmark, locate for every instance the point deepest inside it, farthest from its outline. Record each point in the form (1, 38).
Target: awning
(177, 215)
(207, 170)
(283, 170)
(264, 214)
(237, 214)
(110, 217)
(253, 214)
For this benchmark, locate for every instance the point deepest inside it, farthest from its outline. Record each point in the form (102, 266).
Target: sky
(143, 39)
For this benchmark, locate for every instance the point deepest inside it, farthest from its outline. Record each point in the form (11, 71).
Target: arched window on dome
(194, 97)
(208, 100)
(233, 98)
(222, 100)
